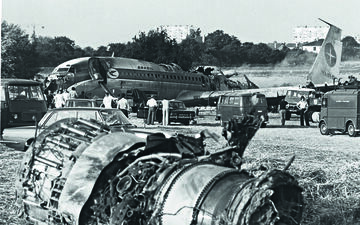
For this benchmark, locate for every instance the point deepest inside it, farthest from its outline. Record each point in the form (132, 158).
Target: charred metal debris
(84, 173)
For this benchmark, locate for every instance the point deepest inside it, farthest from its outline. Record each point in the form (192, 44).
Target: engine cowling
(84, 173)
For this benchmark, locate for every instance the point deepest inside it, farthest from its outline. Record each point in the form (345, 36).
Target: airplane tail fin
(327, 63)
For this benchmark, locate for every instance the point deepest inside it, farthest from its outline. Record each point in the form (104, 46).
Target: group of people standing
(152, 104)
(121, 103)
(302, 106)
(58, 100)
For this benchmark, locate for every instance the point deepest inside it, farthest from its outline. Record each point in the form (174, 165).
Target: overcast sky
(100, 22)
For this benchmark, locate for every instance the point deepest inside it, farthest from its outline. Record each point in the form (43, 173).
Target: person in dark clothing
(283, 105)
(49, 99)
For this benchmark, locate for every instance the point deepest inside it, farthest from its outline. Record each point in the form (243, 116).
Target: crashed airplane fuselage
(119, 75)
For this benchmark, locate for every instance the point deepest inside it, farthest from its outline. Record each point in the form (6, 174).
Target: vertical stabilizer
(327, 63)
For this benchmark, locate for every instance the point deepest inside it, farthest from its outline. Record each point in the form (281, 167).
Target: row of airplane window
(173, 77)
(144, 67)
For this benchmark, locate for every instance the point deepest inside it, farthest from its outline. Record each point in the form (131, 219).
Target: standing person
(165, 112)
(108, 100)
(59, 99)
(283, 105)
(66, 95)
(72, 93)
(152, 104)
(123, 105)
(49, 99)
(302, 105)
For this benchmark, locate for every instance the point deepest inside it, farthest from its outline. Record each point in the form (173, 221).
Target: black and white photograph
(192, 112)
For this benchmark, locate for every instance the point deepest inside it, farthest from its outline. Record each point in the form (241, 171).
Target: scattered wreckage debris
(84, 173)
(220, 81)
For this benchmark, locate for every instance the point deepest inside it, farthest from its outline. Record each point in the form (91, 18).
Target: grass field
(327, 167)
(276, 76)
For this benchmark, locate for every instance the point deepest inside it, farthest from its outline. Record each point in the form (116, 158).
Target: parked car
(111, 117)
(177, 112)
(82, 102)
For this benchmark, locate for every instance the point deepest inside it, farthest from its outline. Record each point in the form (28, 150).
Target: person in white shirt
(72, 93)
(165, 112)
(59, 99)
(302, 105)
(123, 105)
(66, 95)
(108, 100)
(152, 104)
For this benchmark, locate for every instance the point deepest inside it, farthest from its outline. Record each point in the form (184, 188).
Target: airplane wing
(209, 98)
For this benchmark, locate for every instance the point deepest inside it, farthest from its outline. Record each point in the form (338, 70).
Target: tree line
(22, 55)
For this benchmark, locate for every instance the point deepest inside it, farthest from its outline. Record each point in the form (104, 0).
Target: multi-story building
(178, 32)
(302, 34)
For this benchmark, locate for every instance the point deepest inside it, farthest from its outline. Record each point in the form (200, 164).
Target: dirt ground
(327, 167)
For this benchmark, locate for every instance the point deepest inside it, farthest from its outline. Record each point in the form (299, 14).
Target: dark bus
(21, 100)
(237, 105)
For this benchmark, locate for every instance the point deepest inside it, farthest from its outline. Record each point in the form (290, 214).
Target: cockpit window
(72, 70)
(66, 69)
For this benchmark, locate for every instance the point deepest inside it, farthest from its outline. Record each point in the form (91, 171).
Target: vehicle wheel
(263, 125)
(28, 143)
(287, 116)
(324, 129)
(351, 130)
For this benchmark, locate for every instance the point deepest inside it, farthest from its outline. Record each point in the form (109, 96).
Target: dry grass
(9, 161)
(327, 167)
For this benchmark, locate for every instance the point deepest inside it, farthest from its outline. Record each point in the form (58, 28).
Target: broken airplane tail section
(327, 63)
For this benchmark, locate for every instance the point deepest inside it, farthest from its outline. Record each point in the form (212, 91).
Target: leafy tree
(102, 51)
(221, 46)
(46, 51)
(17, 52)
(351, 49)
(190, 51)
(155, 46)
(89, 51)
(118, 49)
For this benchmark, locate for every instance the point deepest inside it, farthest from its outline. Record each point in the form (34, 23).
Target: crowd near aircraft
(92, 75)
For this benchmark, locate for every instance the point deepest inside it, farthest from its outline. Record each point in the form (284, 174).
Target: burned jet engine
(85, 173)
